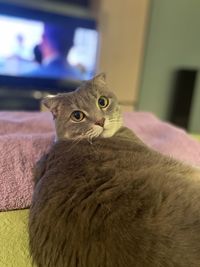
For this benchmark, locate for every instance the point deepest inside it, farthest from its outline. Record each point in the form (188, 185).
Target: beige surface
(122, 26)
(14, 239)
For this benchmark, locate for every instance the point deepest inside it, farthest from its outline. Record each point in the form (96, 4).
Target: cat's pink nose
(100, 122)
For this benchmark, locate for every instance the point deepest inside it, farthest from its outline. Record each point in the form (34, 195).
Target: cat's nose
(100, 122)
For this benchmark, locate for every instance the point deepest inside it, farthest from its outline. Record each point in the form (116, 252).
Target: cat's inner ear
(52, 103)
(100, 78)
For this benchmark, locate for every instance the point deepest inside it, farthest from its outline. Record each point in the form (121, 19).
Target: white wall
(173, 43)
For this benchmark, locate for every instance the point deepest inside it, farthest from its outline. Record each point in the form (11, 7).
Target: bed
(25, 136)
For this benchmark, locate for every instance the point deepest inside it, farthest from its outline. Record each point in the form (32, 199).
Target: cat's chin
(109, 132)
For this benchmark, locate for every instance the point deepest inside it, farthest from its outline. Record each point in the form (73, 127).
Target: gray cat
(103, 198)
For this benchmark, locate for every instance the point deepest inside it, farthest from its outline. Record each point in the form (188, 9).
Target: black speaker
(183, 90)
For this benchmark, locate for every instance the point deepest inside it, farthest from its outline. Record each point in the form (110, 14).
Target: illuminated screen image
(31, 48)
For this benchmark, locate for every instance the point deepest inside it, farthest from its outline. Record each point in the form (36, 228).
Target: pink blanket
(25, 136)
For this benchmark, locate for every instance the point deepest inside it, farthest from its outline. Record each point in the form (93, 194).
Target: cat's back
(116, 203)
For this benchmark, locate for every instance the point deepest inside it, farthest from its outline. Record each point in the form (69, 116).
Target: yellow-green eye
(77, 115)
(103, 102)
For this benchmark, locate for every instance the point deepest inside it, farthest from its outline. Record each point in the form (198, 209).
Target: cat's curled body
(114, 203)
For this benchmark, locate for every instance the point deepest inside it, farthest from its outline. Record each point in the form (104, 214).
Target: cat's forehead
(92, 90)
(86, 95)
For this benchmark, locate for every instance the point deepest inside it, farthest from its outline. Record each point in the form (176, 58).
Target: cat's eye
(77, 116)
(103, 102)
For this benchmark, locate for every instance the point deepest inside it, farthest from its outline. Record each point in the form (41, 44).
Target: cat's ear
(51, 102)
(100, 78)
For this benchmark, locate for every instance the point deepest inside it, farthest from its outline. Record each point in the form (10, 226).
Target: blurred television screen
(42, 49)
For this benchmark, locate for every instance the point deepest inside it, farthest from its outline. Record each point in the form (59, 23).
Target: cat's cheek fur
(111, 128)
(66, 135)
(110, 131)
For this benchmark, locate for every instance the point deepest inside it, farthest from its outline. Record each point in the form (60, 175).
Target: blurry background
(170, 85)
(150, 50)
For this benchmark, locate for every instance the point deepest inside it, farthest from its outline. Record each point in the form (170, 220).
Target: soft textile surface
(164, 137)
(14, 239)
(25, 136)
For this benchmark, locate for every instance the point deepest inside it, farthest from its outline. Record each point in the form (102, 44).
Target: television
(42, 49)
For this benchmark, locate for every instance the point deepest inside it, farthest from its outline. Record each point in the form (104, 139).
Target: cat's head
(90, 112)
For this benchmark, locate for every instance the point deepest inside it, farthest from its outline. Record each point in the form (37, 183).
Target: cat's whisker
(90, 139)
(115, 120)
(75, 142)
(92, 135)
(89, 131)
(89, 135)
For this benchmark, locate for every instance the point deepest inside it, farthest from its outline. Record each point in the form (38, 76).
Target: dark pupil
(77, 115)
(102, 102)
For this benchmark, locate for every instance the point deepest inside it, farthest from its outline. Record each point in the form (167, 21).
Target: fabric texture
(14, 239)
(25, 136)
(164, 137)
